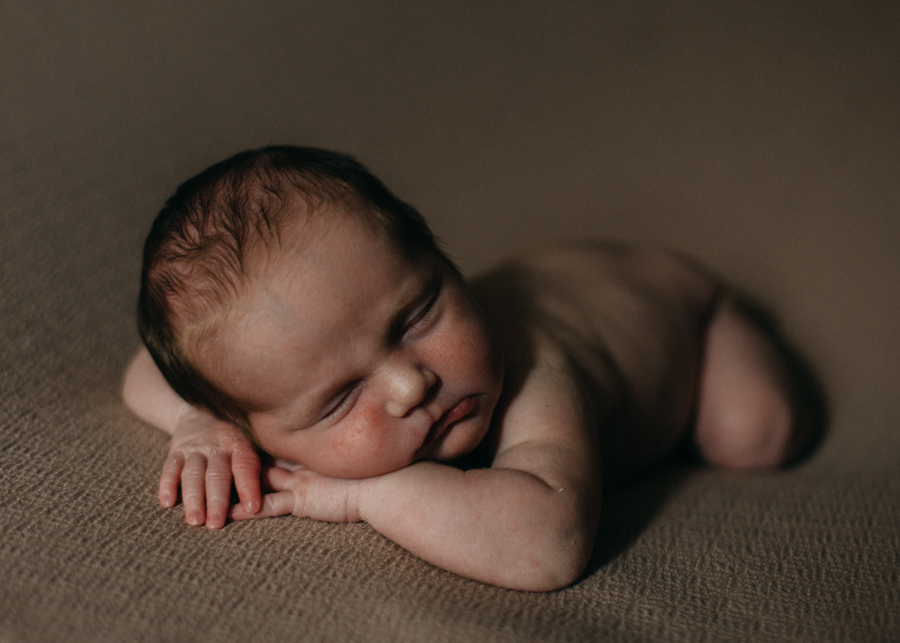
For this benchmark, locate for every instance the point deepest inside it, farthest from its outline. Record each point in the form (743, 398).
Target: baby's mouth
(462, 408)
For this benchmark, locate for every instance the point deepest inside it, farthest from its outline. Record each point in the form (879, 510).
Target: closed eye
(424, 313)
(343, 402)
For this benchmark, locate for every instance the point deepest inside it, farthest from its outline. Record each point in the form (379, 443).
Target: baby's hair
(196, 254)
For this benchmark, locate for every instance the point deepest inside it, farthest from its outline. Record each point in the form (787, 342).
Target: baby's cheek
(468, 356)
(360, 436)
(360, 449)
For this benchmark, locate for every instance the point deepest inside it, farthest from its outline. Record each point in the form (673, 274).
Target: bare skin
(369, 397)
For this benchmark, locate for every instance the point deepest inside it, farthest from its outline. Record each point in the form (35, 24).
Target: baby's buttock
(633, 323)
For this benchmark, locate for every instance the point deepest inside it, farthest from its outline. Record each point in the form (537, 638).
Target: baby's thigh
(744, 416)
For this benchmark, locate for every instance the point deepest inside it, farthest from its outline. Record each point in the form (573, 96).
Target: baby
(292, 305)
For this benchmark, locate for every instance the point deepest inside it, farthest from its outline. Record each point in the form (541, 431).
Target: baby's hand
(306, 494)
(204, 455)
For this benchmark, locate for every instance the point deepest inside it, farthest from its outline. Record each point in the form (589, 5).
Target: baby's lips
(458, 412)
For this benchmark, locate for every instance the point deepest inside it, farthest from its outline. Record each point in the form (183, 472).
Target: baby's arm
(205, 452)
(526, 523)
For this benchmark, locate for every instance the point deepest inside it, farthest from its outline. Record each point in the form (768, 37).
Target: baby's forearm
(150, 397)
(500, 526)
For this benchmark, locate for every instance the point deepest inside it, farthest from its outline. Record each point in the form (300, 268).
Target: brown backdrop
(762, 137)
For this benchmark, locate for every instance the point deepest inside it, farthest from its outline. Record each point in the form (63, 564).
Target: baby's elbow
(550, 573)
(549, 576)
(557, 558)
(559, 568)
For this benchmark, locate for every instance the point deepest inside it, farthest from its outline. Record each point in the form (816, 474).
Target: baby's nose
(408, 387)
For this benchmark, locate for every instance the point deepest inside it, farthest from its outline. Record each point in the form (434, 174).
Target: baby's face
(356, 361)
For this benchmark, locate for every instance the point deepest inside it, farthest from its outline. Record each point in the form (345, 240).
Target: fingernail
(195, 518)
(253, 506)
(165, 500)
(214, 522)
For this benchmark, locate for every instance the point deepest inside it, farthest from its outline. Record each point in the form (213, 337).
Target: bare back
(631, 324)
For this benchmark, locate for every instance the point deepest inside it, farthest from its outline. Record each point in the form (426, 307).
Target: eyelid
(344, 401)
(423, 312)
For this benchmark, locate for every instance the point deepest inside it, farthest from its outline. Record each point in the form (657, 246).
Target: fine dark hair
(196, 252)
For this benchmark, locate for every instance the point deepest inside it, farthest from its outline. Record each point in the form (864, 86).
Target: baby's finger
(193, 489)
(286, 464)
(169, 480)
(278, 479)
(273, 504)
(218, 490)
(246, 466)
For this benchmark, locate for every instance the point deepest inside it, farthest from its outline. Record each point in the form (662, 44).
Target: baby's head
(288, 291)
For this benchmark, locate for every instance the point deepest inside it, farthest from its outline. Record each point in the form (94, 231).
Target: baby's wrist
(365, 489)
(371, 491)
(195, 421)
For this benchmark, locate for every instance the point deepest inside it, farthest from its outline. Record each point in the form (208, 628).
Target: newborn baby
(291, 305)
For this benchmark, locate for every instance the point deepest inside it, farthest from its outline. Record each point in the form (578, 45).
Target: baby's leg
(745, 415)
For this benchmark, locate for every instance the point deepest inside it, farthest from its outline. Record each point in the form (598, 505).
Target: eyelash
(424, 314)
(337, 408)
(421, 317)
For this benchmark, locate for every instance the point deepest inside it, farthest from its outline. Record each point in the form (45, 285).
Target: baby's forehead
(327, 297)
(354, 230)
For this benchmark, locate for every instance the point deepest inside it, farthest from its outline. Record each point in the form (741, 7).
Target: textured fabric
(761, 137)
